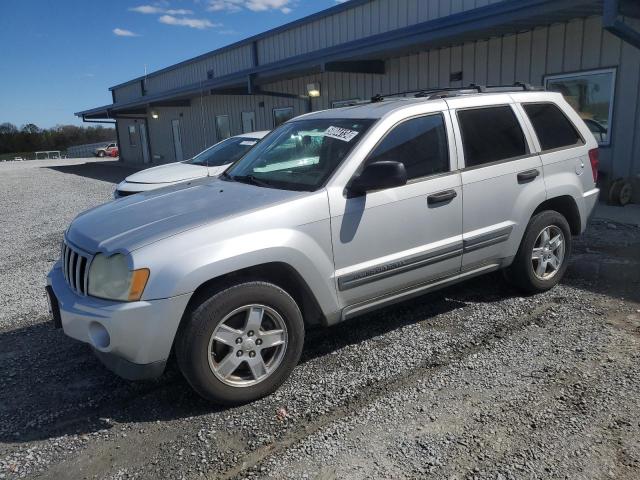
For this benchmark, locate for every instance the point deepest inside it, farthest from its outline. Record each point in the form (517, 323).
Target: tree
(31, 138)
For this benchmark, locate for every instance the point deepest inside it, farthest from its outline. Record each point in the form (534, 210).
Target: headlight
(110, 278)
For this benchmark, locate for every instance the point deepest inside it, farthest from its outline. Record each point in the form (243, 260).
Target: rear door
(502, 178)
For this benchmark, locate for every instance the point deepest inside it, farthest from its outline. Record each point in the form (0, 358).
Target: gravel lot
(470, 382)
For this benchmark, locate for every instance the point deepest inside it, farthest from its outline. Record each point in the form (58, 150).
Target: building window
(591, 95)
(132, 135)
(490, 134)
(281, 115)
(420, 144)
(223, 127)
(248, 122)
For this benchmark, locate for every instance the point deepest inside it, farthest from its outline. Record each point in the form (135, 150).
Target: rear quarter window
(553, 128)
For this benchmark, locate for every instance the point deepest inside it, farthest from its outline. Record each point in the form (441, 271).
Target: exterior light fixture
(154, 114)
(313, 89)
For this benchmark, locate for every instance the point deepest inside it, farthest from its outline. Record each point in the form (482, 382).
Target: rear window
(491, 134)
(553, 128)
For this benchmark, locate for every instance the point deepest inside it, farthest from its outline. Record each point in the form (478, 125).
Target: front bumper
(133, 339)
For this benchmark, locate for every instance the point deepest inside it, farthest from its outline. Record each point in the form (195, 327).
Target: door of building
(144, 142)
(177, 139)
(248, 122)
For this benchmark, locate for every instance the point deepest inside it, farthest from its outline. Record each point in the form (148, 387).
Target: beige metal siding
(221, 64)
(197, 122)
(577, 45)
(361, 21)
(127, 92)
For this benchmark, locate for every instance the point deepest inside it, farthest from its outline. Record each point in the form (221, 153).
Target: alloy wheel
(247, 345)
(548, 252)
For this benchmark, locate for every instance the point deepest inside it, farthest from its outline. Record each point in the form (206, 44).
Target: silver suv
(332, 215)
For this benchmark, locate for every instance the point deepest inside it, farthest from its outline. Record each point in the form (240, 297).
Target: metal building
(587, 49)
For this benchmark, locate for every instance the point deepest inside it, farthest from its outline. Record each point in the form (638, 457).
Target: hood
(169, 173)
(132, 222)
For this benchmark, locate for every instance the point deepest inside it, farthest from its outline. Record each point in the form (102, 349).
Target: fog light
(99, 336)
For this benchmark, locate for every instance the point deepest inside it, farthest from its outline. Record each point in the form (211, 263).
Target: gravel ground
(470, 382)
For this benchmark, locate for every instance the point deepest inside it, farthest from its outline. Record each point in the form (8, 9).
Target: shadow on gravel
(108, 171)
(606, 260)
(54, 386)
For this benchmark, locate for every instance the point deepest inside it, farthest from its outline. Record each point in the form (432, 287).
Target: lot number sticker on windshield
(248, 143)
(339, 133)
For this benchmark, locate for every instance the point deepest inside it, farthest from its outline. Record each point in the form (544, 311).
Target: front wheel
(241, 343)
(543, 256)
(100, 154)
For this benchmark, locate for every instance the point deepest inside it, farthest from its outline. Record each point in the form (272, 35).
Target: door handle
(441, 197)
(524, 177)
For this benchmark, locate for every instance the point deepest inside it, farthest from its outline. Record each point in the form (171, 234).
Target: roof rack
(473, 88)
(445, 92)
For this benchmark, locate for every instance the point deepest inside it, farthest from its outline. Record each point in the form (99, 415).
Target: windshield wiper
(251, 179)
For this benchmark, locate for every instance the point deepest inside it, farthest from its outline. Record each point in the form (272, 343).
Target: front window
(300, 155)
(591, 95)
(228, 151)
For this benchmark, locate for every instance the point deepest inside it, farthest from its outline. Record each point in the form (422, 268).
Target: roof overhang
(500, 18)
(613, 19)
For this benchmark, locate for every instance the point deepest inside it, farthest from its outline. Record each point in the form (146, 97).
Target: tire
(522, 271)
(100, 154)
(227, 314)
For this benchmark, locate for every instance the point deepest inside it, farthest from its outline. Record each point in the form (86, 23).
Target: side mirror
(378, 176)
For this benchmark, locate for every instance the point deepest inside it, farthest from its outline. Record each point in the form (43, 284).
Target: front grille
(75, 266)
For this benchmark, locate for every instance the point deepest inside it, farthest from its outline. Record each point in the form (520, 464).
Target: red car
(114, 152)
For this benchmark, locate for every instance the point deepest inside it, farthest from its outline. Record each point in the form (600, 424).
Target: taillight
(594, 157)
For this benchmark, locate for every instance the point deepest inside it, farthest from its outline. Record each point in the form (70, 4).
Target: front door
(177, 139)
(502, 178)
(393, 239)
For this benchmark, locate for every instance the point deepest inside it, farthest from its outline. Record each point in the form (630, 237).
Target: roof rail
(474, 88)
(444, 92)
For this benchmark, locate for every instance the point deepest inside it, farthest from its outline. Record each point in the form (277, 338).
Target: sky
(58, 57)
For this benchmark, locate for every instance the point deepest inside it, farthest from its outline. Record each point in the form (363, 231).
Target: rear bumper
(133, 339)
(590, 199)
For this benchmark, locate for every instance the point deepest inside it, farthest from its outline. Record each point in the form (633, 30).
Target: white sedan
(211, 162)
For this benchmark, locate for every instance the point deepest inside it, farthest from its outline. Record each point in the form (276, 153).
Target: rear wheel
(241, 343)
(542, 258)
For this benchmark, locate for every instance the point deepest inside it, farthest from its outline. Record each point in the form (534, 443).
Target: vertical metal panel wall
(371, 18)
(128, 92)
(580, 44)
(376, 16)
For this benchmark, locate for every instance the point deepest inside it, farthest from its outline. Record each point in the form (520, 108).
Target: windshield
(300, 155)
(223, 153)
